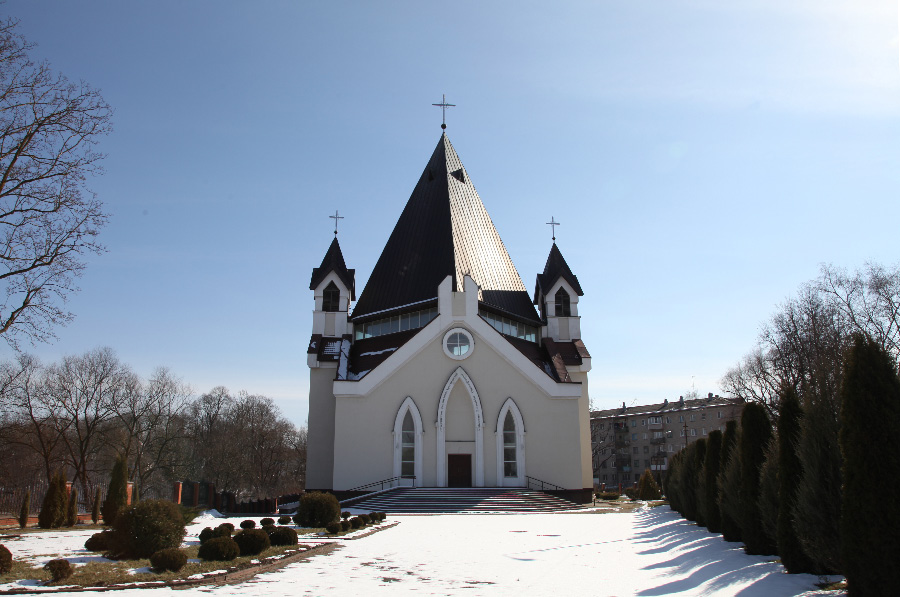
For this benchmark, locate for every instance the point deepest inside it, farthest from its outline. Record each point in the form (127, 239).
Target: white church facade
(445, 374)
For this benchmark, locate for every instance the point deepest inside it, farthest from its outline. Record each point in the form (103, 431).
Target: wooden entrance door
(459, 470)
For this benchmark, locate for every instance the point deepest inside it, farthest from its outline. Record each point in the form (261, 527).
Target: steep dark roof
(444, 230)
(555, 268)
(334, 262)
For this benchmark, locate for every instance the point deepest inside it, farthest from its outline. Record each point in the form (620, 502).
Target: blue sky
(703, 157)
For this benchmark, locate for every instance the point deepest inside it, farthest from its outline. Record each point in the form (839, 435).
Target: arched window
(510, 460)
(563, 307)
(331, 298)
(408, 447)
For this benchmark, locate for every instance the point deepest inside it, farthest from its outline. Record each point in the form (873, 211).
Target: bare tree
(49, 220)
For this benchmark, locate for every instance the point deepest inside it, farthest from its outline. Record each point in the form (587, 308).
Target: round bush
(333, 527)
(207, 534)
(268, 528)
(345, 515)
(147, 527)
(171, 558)
(267, 522)
(222, 549)
(284, 520)
(5, 560)
(227, 525)
(248, 524)
(356, 522)
(374, 517)
(283, 536)
(366, 521)
(100, 541)
(345, 525)
(317, 509)
(59, 569)
(252, 541)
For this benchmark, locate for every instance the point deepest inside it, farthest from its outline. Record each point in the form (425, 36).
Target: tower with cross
(396, 400)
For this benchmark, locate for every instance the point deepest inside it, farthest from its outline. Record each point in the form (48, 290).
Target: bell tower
(556, 292)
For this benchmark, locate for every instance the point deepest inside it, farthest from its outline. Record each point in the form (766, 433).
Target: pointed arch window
(563, 306)
(331, 298)
(408, 447)
(510, 457)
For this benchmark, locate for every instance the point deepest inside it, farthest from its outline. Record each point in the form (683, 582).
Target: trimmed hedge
(170, 558)
(101, 541)
(267, 522)
(248, 524)
(333, 528)
(227, 525)
(222, 549)
(252, 541)
(317, 509)
(284, 520)
(59, 569)
(356, 522)
(345, 525)
(283, 536)
(208, 533)
(147, 527)
(5, 560)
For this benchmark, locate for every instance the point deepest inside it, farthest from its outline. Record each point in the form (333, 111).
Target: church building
(444, 373)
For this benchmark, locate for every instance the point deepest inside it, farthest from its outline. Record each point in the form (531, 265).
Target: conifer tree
(711, 482)
(755, 434)
(768, 494)
(647, 487)
(116, 493)
(53, 508)
(25, 510)
(729, 484)
(789, 474)
(698, 456)
(870, 408)
(95, 510)
(72, 508)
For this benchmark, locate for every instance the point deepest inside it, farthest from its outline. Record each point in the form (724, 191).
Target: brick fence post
(176, 492)
(129, 492)
(196, 496)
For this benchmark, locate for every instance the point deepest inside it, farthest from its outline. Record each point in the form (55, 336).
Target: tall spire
(444, 230)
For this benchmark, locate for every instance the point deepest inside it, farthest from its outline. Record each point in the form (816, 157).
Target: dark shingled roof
(444, 230)
(555, 268)
(334, 262)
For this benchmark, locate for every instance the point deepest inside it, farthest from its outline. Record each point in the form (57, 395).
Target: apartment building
(627, 440)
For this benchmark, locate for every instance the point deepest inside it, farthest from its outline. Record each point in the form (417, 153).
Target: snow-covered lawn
(650, 552)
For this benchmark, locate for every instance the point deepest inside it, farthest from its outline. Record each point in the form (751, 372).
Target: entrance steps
(456, 500)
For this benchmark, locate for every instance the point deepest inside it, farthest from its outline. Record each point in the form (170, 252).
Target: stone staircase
(456, 500)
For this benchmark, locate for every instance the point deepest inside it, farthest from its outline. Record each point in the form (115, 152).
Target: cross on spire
(553, 224)
(443, 106)
(336, 217)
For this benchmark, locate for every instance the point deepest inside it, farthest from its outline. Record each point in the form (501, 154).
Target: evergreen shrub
(284, 520)
(116, 493)
(59, 569)
(345, 515)
(711, 470)
(317, 509)
(252, 541)
(148, 527)
(375, 517)
(346, 526)
(730, 483)
(248, 524)
(5, 560)
(267, 522)
(790, 413)
(72, 508)
(53, 508)
(171, 558)
(220, 549)
(608, 495)
(647, 487)
(209, 533)
(101, 541)
(25, 510)
(356, 522)
(756, 430)
(283, 536)
(95, 510)
(333, 528)
(365, 519)
(226, 525)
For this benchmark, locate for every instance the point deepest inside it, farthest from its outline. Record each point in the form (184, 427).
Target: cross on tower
(443, 106)
(336, 217)
(553, 224)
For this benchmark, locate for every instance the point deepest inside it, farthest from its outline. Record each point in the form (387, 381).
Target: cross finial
(553, 224)
(443, 106)
(336, 217)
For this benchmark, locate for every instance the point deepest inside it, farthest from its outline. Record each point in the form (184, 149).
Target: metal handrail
(544, 484)
(382, 482)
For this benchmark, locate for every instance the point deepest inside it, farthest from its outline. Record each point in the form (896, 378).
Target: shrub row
(355, 522)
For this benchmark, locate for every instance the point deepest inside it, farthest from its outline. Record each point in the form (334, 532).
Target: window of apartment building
(637, 477)
(645, 436)
(601, 426)
(634, 436)
(681, 418)
(720, 414)
(657, 434)
(693, 432)
(637, 464)
(671, 448)
(702, 416)
(682, 433)
(604, 477)
(646, 449)
(643, 422)
(646, 464)
(634, 422)
(668, 420)
(693, 417)
(655, 420)
(635, 450)
(703, 431)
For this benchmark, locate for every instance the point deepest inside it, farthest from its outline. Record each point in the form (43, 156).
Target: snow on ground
(651, 552)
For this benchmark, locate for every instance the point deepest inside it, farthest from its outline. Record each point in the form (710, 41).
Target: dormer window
(563, 307)
(331, 298)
